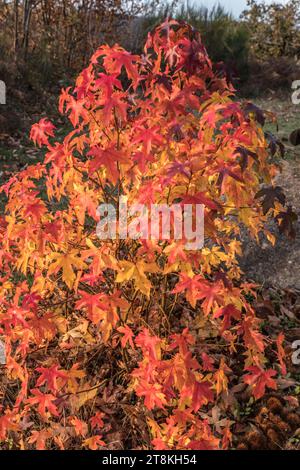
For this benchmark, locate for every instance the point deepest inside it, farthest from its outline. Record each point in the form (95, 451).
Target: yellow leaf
(136, 272)
(126, 272)
(271, 238)
(66, 262)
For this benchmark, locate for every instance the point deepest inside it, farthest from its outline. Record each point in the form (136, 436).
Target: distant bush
(276, 74)
(273, 29)
(274, 46)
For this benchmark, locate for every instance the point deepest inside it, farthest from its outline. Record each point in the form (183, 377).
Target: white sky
(235, 6)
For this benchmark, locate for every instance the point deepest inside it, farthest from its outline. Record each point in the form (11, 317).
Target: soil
(279, 265)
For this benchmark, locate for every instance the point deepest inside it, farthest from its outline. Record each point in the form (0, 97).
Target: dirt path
(278, 266)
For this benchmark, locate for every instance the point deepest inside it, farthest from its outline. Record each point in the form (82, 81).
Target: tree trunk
(26, 26)
(16, 31)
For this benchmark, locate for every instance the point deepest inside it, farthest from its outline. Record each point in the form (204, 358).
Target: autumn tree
(137, 336)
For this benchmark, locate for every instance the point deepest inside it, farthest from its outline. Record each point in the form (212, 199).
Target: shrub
(273, 28)
(123, 325)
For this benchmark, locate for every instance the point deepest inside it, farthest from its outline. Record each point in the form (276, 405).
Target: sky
(235, 6)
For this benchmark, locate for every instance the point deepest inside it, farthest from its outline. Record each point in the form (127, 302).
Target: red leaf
(97, 421)
(229, 312)
(107, 158)
(45, 403)
(202, 395)
(149, 344)
(49, 376)
(152, 393)
(259, 380)
(41, 132)
(128, 336)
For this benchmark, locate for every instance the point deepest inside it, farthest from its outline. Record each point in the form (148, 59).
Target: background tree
(274, 28)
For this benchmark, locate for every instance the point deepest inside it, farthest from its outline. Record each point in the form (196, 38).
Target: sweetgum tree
(140, 335)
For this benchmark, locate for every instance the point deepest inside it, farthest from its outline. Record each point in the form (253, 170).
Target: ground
(280, 266)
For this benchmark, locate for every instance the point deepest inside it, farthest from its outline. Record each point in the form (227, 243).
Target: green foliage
(274, 29)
